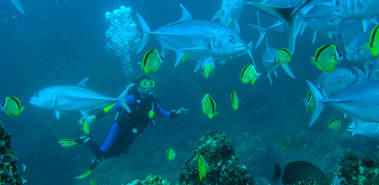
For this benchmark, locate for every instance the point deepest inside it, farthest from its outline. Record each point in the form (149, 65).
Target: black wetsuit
(127, 126)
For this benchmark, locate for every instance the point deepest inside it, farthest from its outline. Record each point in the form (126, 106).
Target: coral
(355, 171)
(8, 169)
(225, 164)
(151, 179)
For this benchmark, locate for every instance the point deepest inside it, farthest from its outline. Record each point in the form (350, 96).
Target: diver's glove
(176, 113)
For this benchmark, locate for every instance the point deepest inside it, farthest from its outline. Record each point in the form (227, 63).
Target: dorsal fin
(83, 83)
(361, 76)
(186, 16)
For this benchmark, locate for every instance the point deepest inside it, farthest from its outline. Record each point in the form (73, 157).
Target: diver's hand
(182, 110)
(91, 118)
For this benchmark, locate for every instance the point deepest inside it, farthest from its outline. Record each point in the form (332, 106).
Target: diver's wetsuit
(127, 126)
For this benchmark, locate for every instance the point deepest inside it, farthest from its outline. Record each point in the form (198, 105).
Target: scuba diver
(126, 126)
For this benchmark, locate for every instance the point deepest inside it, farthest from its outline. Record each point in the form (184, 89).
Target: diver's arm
(129, 100)
(171, 114)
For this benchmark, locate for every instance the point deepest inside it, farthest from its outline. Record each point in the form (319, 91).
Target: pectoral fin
(58, 114)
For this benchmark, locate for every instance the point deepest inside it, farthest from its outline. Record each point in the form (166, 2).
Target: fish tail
(319, 103)
(262, 33)
(284, 145)
(122, 99)
(146, 31)
(277, 172)
(22, 109)
(249, 49)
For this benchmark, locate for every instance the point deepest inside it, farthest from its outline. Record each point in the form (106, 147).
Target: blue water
(62, 42)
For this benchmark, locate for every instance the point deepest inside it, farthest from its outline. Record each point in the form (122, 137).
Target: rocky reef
(355, 171)
(150, 180)
(225, 166)
(8, 173)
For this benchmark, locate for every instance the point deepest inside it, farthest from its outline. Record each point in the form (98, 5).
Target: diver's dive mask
(146, 83)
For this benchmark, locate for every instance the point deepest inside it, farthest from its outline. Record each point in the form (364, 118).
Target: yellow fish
(185, 57)
(334, 124)
(92, 181)
(374, 41)
(235, 100)
(327, 58)
(310, 102)
(85, 126)
(202, 167)
(170, 154)
(249, 74)
(11, 105)
(209, 69)
(209, 106)
(151, 61)
(283, 55)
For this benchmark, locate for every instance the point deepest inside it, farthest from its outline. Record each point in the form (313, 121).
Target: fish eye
(232, 40)
(37, 95)
(2, 105)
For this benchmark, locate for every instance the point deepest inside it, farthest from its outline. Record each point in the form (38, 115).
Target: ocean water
(62, 42)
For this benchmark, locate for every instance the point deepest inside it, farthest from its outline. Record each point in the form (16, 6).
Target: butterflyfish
(11, 105)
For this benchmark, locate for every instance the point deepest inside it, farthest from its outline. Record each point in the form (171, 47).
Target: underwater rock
(151, 179)
(355, 171)
(8, 169)
(225, 166)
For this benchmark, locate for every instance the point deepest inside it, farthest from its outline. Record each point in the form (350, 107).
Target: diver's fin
(146, 31)
(319, 103)
(68, 143)
(91, 168)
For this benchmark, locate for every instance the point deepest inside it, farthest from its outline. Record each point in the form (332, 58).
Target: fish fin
(17, 4)
(146, 32)
(213, 73)
(269, 77)
(330, 35)
(314, 36)
(179, 56)
(186, 16)
(122, 98)
(83, 83)
(262, 33)
(58, 114)
(218, 14)
(222, 62)
(249, 50)
(361, 76)
(253, 81)
(276, 74)
(319, 103)
(207, 60)
(366, 24)
(164, 52)
(9, 114)
(198, 64)
(236, 26)
(22, 109)
(313, 60)
(277, 172)
(288, 70)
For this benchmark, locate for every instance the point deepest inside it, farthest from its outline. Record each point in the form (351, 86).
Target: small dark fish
(300, 171)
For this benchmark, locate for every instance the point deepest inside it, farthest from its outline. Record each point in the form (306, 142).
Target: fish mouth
(241, 46)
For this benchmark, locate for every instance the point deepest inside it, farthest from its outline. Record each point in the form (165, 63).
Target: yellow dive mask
(146, 83)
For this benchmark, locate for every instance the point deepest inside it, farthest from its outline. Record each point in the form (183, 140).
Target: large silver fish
(74, 98)
(369, 129)
(358, 9)
(229, 13)
(359, 101)
(202, 40)
(339, 80)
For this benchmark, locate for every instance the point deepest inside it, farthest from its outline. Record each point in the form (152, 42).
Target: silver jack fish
(359, 101)
(229, 13)
(201, 40)
(74, 98)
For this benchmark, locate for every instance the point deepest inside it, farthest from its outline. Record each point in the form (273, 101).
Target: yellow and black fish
(170, 154)
(249, 74)
(235, 100)
(334, 124)
(209, 69)
(11, 105)
(202, 167)
(151, 61)
(374, 41)
(310, 102)
(209, 106)
(283, 55)
(326, 58)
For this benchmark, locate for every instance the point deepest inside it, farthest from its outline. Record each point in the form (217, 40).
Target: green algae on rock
(151, 180)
